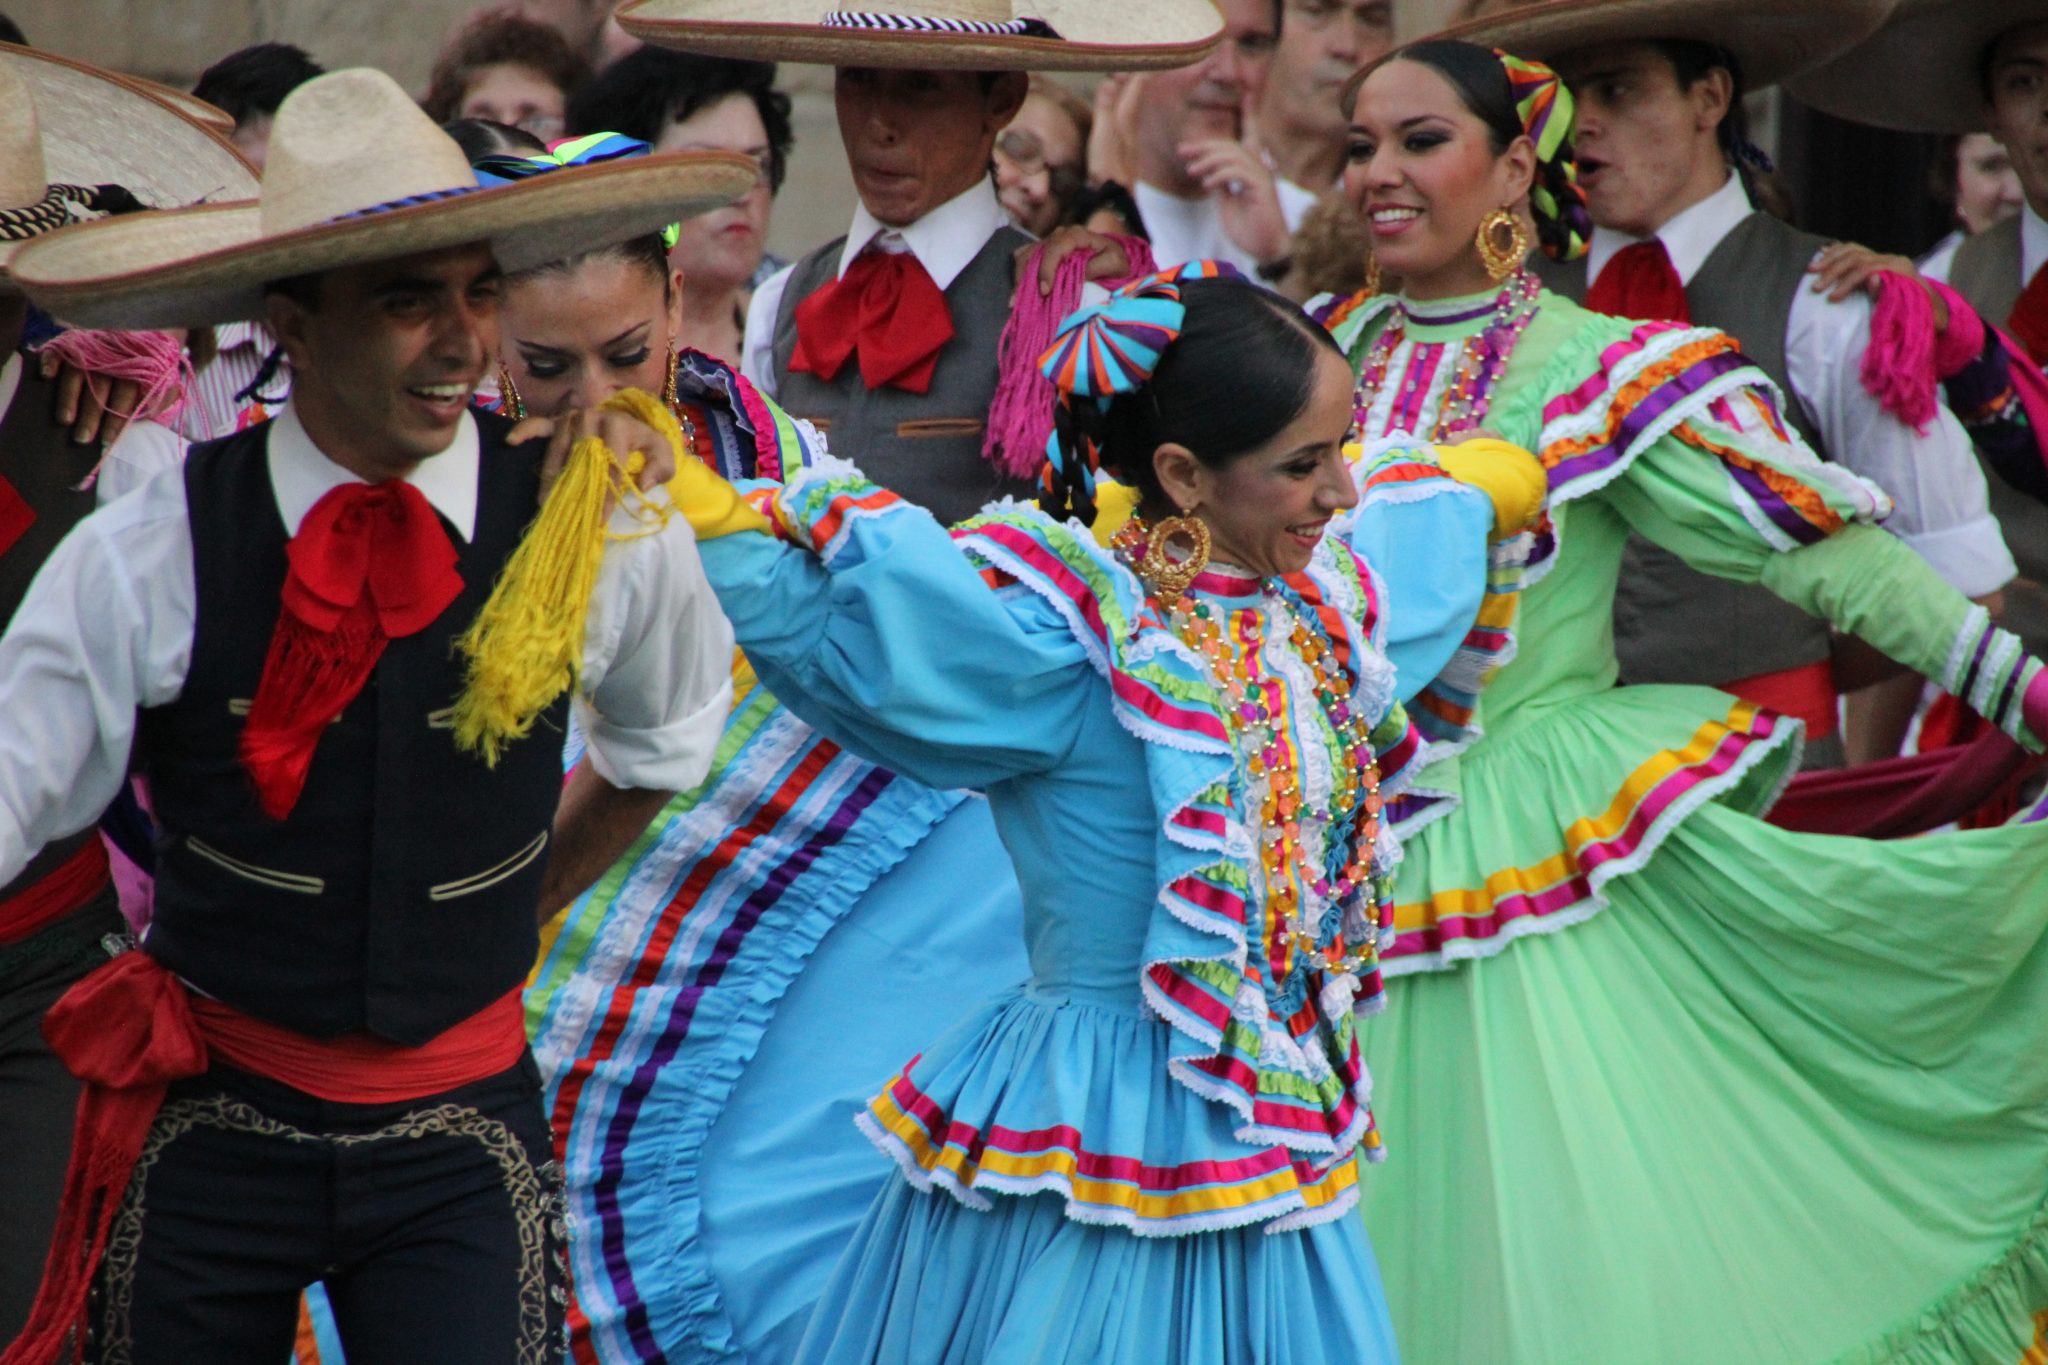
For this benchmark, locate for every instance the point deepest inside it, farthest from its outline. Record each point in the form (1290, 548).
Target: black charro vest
(399, 895)
(38, 457)
(1672, 623)
(925, 447)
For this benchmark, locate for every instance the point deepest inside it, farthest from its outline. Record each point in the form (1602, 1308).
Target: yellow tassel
(526, 645)
(1115, 504)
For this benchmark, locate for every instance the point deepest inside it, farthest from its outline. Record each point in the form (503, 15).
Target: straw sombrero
(1772, 39)
(938, 35)
(356, 173)
(212, 115)
(1918, 72)
(66, 127)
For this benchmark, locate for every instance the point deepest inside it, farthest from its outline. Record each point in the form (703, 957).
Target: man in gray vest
(886, 338)
(1974, 66)
(1677, 237)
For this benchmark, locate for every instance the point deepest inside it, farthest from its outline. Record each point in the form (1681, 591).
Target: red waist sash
(68, 885)
(1806, 693)
(131, 1028)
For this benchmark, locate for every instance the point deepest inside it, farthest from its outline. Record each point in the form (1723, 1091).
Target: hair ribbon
(1111, 348)
(591, 149)
(1546, 110)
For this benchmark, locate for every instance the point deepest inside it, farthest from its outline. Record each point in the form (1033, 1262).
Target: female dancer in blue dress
(1147, 1150)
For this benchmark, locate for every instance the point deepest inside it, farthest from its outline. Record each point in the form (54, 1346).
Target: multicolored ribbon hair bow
(1107, 349)
(592, 149)
(1563, 222)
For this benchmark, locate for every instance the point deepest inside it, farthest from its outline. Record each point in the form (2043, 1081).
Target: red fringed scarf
(370, 563)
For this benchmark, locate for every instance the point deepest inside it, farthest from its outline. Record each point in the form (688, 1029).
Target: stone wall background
(174, 40)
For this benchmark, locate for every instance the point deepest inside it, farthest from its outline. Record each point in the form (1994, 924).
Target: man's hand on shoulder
(1109, 262)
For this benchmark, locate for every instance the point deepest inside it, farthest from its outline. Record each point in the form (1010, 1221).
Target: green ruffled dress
(1662, 1082)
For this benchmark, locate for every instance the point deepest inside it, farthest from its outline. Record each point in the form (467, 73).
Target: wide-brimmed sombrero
(212, 115)
(1920, 72)
(941, 35)
(67, 128)
(356, 172)
(1771, 39)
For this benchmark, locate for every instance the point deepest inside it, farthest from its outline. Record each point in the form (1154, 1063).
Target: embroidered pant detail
(437, 1227)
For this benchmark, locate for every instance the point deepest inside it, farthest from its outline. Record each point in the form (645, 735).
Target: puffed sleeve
(1448, 583)
(860, 614)
(1732, 492)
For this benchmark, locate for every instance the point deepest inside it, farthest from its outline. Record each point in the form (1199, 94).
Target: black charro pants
(38, 1097)
(437, 1225)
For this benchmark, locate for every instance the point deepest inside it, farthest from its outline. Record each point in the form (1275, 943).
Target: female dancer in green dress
(1676, 1085)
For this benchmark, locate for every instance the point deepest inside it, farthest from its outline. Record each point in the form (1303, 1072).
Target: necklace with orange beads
(1253, 707)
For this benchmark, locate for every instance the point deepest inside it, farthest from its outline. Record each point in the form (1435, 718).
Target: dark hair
(1092, 199)
(1986, 56)
(1241, 369)
(645, 91)
(500, 40)
(646, 251)
(1692, 61)
(482, 137)
(10, 32)
(251, 83)
(1483, 87)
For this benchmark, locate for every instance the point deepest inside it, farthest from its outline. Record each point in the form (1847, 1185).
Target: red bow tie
(1640, 282)
(370, 563)
(885, 308)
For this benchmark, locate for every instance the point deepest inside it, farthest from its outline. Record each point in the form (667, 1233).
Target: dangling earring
(668, 384)
(1502, 261)
(1170, 577)
(1372, 275)
(509, 401)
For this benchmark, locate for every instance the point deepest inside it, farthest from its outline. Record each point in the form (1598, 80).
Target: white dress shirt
(1184, 230)
(1943, 508)
(945, 242)
(106, 629)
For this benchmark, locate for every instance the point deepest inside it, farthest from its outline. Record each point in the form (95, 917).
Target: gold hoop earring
(1372, 275)
(509, 401)
(1502, 261)
(668, 384)
(1168, 576)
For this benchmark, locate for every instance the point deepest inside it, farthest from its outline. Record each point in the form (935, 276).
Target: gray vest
(1987, 273)
(1671, 622)
(1986, 270)
(927, 446)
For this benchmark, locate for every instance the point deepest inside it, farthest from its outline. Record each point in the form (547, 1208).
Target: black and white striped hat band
(62, 206)
(914, 23)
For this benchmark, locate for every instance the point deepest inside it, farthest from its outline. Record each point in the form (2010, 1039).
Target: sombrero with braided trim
(1920, 72)
(356, 173)
(938, 35)
(67, 129)
(1771, 39)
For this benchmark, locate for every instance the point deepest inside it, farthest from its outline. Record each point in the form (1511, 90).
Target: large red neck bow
(886, 309)
(371, 563)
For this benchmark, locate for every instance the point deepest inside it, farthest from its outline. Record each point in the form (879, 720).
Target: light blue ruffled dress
(1146, 1150)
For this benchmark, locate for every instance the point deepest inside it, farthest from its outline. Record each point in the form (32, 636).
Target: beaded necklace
(1253, 707)
(1481, 359)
